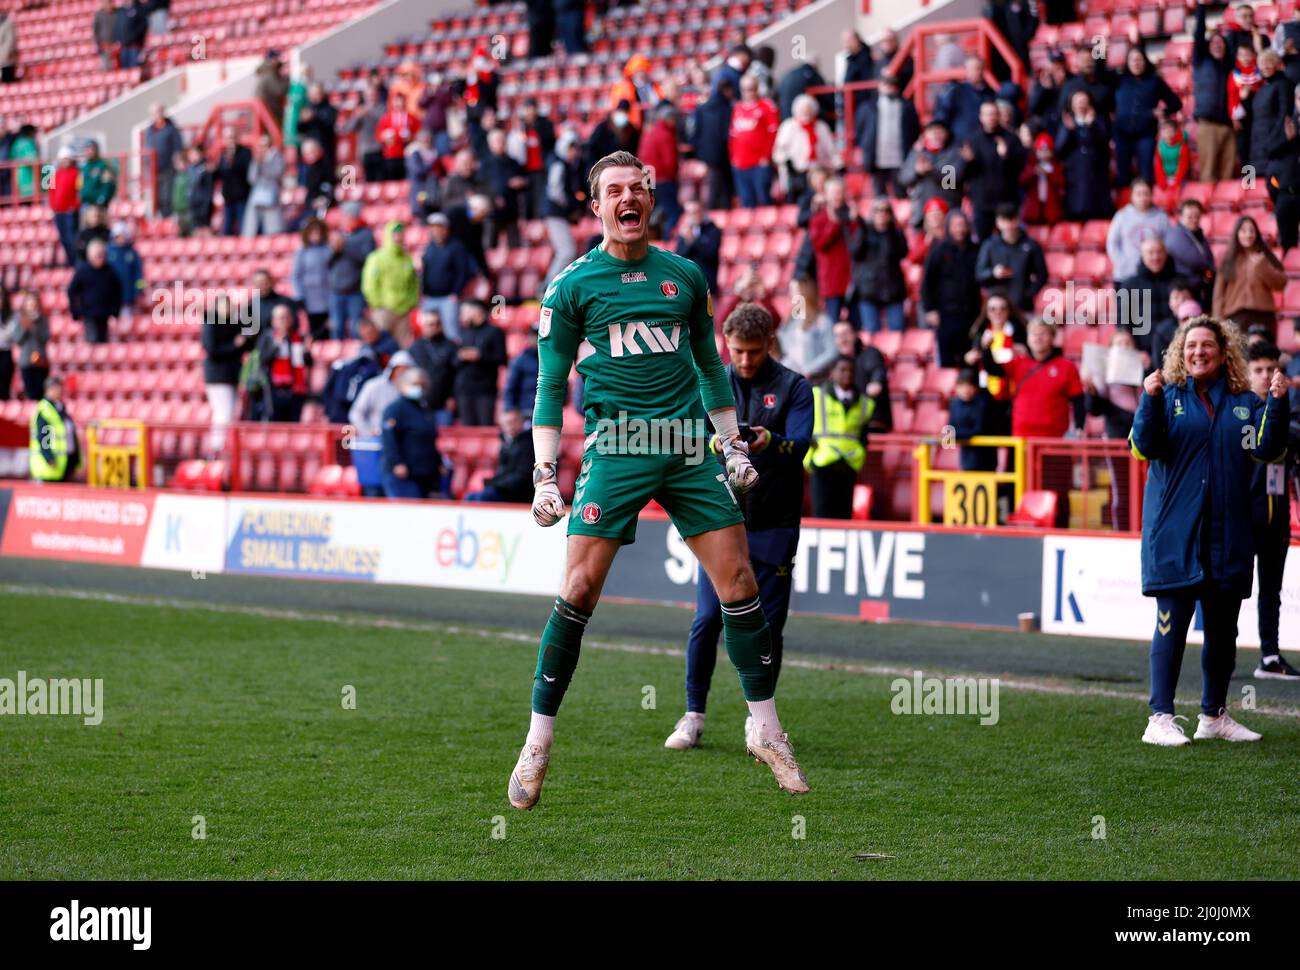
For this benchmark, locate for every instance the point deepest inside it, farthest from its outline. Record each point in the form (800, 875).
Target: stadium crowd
(1083, 142)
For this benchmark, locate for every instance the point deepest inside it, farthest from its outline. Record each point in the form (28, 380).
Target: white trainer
(526, 780)
(686, 734)
(778, 755)
(1223, 727)
(1163, 729)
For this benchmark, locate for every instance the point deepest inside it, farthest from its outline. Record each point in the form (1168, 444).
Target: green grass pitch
(239, 718)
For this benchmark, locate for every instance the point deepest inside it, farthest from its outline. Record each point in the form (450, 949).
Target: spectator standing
(1083, 145)
(748, 288)
(807, 339)
(968, 413)
(200, 177)
(158, 19)
(130, 29)
(949, 290)
(33, 344)
(1147, 292)
(423, 166)
(95, 293)
(796, 82)
(412, 467)
(1115, 404)
(317, 180)
(513, 481)
(877, 247)
(22, 148)
(9, 332)
(521, 378)
(318, 120)
(482, 354)
(437, 355)
(532, 145)
(934, 169)
(658, 151)
(1211, 68)
(367, 411)
(163, 139)
(388, 278)
(224, 345)
(960, 103)
(394, 131)
(709, 131)
(310, 277)
(92, 229)
(569, 24)
(829, 231)
(995, 159)
(1243, 82)
(445, 270)
(128, 266)
(885, 129)
(263, 215)
(285, 357)
(364, 123)
(1047, 102)
(883, 54)
(1135, 222)
(463, 180)
(1285, 179)
(1046, 392)
(1248, 277)
(1190, 251)
(65, 202)
(1011, 260)
(506, 183)
(98, 178)
(1043, 183)
(1270, 105)
(616, 133)
(1007, 337)
(272, 86)
(541, 28)
(1093, 76)
(853, 63)
(754, 124)
(839, 439)
(232, 175)
(103, 30)
(1017, 21)
(802, 142)
(700, 240)
(566, 196)
(1173, 162)
(870, 373)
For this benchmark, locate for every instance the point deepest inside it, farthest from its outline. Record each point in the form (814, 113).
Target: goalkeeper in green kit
(638, 322)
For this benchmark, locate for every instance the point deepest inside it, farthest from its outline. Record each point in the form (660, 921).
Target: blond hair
(1231, 343)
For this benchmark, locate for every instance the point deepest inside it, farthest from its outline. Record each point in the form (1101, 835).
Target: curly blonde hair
(1231, 343)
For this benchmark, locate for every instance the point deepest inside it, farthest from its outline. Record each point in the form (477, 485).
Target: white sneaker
(526, 780)
(749, 728)
(777, 754)
(1275, 668)
(686, 734)
(1223, 727)
(1162, 729)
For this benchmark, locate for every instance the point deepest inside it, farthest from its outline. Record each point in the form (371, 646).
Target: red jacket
(831, 247)
(658, 149)
(403, 125)
(1037, 211)
(64, 194)
(1042, 392)
(753, 132)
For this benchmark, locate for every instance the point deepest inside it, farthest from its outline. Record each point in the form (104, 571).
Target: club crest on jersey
(1242, 413)
(668, 288)
(641, 337)
(591, 513)
(637, 277)
(544, 322)
(769, 400)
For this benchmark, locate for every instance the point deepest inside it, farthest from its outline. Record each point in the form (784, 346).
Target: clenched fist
(548, 506)
(1155, 383)
(741, 474)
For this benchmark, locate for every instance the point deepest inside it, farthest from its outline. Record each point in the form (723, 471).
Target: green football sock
(749, 645)
(557, 657)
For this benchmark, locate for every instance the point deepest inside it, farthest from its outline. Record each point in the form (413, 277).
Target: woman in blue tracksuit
(1202, 429)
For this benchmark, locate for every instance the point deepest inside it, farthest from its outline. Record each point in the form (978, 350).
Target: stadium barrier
(1079, 584)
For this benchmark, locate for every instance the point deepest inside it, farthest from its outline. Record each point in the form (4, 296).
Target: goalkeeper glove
(548, 506)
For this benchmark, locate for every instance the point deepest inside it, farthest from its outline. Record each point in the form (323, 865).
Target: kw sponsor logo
(623, 338)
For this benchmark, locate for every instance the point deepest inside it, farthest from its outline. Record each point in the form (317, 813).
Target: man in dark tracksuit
(777, 405)
(1271, 518)
(412, 467)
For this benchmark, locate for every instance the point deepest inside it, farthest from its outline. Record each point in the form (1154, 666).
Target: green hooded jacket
(98, 182)
(388, 278)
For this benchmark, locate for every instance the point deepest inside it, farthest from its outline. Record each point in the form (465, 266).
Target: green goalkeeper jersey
(641, 333)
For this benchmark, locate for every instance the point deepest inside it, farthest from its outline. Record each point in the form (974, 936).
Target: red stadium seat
(862, 502)
(1036, 509)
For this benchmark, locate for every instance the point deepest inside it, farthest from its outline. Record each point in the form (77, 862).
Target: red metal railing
(29, 180)
(249, 119)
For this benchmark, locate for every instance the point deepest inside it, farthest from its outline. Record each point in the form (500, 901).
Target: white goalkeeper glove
(741, 473)
(548, 506)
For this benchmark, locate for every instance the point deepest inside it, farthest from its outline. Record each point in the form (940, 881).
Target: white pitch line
(377, 622)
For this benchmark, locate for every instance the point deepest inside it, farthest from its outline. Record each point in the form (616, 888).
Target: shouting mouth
(630, 218)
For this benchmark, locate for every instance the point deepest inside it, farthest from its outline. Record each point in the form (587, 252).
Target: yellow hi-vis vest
(837, 430)
(56, 433)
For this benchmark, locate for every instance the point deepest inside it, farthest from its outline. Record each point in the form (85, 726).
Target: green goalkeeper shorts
(612, 490)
